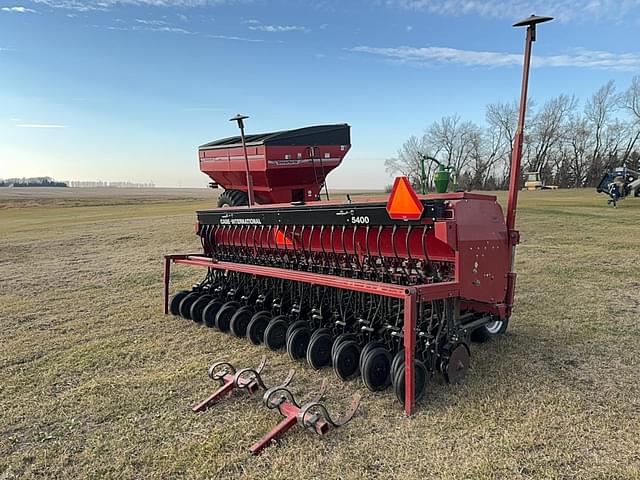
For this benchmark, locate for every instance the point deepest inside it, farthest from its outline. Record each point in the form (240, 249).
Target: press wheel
(346, 359)
(174, 305)
(198, 307)
(257, 326)
(275, 333)
(298, 342)
(186, 303)
(210, 312)
(223, 318)
(319, 350)
(240, 321)
(376, 369)
(420, 385)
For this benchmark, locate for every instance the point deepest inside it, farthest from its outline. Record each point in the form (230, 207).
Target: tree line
(571, 143)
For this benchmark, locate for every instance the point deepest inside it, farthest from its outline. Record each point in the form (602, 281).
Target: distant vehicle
(620, 183)
(533, 182)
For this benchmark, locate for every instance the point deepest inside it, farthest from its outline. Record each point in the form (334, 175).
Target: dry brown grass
(96, 383)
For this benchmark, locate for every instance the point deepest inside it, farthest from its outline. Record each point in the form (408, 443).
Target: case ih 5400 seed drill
(393, 291)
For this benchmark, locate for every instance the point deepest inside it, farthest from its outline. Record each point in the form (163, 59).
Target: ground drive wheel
(495, 328)
(233, 198)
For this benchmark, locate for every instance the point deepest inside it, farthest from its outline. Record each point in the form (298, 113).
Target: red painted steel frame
(411, 296)
(290, 413)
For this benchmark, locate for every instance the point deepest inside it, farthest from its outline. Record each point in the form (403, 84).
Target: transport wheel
(455, 368)
(232, 198)
(298, 342)
(257, 326)
(186, 303)
(319, 350)
(366, 349)
(174, 306)
(398, 360)
(223, 318)
(198, 307)
(420, 383)
(240, 321)
(343, 337)
(486, 332)
(376, 369)
(275, 335)
(210, 311)
(345, 361)
(294, 326)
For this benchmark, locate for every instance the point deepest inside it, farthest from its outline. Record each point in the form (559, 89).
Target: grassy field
(96, 383)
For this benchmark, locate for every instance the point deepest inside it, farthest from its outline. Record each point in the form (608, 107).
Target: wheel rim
(494, 327)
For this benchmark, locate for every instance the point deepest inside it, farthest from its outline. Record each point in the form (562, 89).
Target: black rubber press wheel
(186, 303)
(223, 318)
(319, 350)
(240, 321)
(346, 359)
(420, 383)
(198, 307)
(298, 342)
(257, 326)
(210, 312)
(174, 306)
(275, 333)
(376, 369)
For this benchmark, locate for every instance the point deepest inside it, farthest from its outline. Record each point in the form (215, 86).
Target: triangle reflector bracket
(403, 203)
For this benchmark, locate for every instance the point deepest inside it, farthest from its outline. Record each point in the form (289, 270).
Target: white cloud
(278, 28)
(87, 5)
(18, 9)
(156, 23)
(233, 37)
(39, 125)
(578, 58)
(408, 28)
(564, 10)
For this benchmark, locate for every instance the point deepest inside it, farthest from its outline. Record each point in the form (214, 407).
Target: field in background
(95, 382)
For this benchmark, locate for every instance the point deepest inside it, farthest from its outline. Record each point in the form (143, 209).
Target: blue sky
(127, 89)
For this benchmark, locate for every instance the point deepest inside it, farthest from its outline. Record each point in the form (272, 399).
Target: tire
(223, 318)
(420, 384)
(319, 350)
(257, 326)
(186, 303)
(398, 360)
(210, 311)
(298, 342)
(346, 360)
(294, 326)
(240, 321)
(366, 349)
(490, 330)
(275, 335)
(343, 337)
(198, 307)
(376, 369)
(233, 198)
(174, 306)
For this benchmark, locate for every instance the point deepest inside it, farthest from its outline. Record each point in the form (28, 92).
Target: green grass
(96, 383)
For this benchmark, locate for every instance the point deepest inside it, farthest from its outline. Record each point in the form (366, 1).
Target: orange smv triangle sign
(403, 202)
